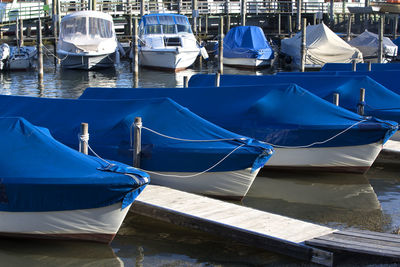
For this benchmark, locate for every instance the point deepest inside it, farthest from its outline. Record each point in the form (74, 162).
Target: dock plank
(262, 229)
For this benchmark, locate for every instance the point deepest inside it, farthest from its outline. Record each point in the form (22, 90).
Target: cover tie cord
(321, 142)
(85, 138)
(190, 140)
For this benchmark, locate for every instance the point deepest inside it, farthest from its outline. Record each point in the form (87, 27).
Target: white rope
(52, 54)
(85, 138)
(320, 142)
(182, 139)
(199, 173)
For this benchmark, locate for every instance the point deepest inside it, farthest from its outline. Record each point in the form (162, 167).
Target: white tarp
(368, 42)
(323, 46)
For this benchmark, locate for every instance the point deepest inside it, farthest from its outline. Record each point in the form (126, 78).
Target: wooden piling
(39, 50)
(17, 32)
(21, 31)
(395, 26)
(135, 49)
(279, 24)
(298, 15)
(369, 65)
(58, 14)
(142, 8)
(354, 65)
(290, 25)
(381, 32)
(336, 99)
(221, 46)
(186, 81)
(55, 30)
(348, 28)
(228, 23)
(84, 138)
(303, 45)
(217, 79)
(93, 5)
(361, 105)
(206, 25)
(195, 14)
(137, 142)
(243, 11)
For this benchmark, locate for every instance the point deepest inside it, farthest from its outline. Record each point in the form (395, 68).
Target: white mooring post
(336, 99)
(354, 65)
(137, 142)
(303, 45)
(84, 138)
(217, 79)
(221, 46)
(185, 82)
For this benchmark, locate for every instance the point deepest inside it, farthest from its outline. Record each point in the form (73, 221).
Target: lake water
(370, 201)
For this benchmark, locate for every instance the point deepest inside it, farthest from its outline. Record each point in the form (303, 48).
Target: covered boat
(167, 42)
(305, 130)
(179, 149)
(368, 44)
(246, 46)
(48, 190)
(16, 57)
(322, 46)
(87, 41)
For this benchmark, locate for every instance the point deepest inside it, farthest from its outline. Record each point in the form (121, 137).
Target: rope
(199, 173)
(321, 142)
(85, 138)
(52, 54)
(182, 139)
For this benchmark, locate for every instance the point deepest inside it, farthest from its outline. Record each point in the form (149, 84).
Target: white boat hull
(97, 224)
(172, 59)
(247, 62)
(348, 158)
(226, 185)
(87, 62)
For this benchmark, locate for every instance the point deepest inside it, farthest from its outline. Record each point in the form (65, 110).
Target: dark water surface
(343, 201)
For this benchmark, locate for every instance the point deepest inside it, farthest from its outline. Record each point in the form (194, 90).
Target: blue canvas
(280, 114)
(380, 102)
(37, 173)
(247, 42)
(111, 123)
(360, 66)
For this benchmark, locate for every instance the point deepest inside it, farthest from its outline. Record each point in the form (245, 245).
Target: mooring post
(17, 32)
(279, 24)
(93, 6)
(354, 65)
(381, 32)
(185, 81)
(206, 24)
(142, 8)
(303, 45)
(137, 142)
(135, 49)
(129, 26)
(55, 31)
(221, 46)
(194, 16)
(217, 79)
(348, 37)
(39, 50)
(290, 25)
(228, 23)
(361, 105)
(298, 16)
(336, 99)
(84, 138)
(21, 30)
(395, 25)
(369, 65)
(243, 11)
(58, 14)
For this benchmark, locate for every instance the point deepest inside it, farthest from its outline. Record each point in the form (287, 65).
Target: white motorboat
(87, 41)
(16, 57)
(167, 42)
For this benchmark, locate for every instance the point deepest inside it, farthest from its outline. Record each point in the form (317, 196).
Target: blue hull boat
(48, 190)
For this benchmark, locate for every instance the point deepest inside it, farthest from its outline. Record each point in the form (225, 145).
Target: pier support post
(39, 50)
(303, 45)
(135, 49)
(354, 65)
(395, 26)
(361, 104)
(336, 99)
(93, 5)
(137, 142)
(381, 32)
(21, 30)
(17, 32)
(279, 24)
(221, 46)
(195, 14)
(348, 37)
(142, 8)
(298, 16)
(290, 25)
(186, 81)
(217, 79)
(55, 31)
(369, 65)
(84, 138)
(243, 11)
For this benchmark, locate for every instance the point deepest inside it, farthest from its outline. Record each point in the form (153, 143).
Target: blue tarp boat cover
(40, 174)
(387, 78)
(380, 102)
(247, 42)
(360, 66)
(111, 126)
(280, 114)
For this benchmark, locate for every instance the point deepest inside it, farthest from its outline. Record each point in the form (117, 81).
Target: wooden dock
(390, 151)
(272, 232)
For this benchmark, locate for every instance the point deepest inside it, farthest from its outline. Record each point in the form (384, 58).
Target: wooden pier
(269, 231)
(390, 152)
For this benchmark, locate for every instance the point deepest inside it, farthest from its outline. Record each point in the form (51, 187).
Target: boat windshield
(98, 28)
(184, 28)
(165, 25)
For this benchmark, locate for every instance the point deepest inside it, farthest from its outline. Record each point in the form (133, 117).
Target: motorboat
(87, 41)
(167, 42)
(178, 148)
(17, 57)
(247, 47)
(50, 191)
(307, 132)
